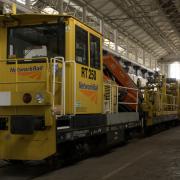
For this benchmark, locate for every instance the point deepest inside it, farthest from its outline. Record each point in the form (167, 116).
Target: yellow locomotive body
(45, 74)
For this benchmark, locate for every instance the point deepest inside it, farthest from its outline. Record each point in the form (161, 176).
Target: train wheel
(54, 162)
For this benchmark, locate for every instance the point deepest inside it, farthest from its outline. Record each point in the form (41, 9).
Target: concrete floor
(153, 158)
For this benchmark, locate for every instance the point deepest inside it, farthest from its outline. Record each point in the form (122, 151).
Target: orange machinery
(122, 79)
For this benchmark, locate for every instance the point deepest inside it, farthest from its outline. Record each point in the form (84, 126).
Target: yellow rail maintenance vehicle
(47, 78)
(60, 96)
(52, 91)
(161, 102)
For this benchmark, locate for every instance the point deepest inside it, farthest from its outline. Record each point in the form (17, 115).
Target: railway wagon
(52, 93)
(161, 102)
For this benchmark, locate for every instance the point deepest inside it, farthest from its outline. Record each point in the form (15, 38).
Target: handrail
(54, 60)
(167, 102)
(169, 95)
(24, 59)
(48, 61)
(117, 99)
(63, 91)
(74, 103)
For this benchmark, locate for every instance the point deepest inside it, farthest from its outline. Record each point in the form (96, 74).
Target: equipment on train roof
(117, 73)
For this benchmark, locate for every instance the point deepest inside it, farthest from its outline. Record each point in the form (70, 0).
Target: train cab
(51, 81)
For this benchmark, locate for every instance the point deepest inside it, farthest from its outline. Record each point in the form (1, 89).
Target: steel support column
(115, 39)
(101, 28)
(84, 14)
(136, 54)
(155, 65)
(162, 68)
(61, 8)
(150, 60)
(144, 58)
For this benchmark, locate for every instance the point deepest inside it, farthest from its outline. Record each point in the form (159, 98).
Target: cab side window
(94, 52)
(81, 44)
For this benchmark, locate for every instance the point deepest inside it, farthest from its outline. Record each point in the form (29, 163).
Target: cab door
(89, 78)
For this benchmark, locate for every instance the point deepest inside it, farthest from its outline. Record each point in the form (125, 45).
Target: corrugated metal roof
(136, 17)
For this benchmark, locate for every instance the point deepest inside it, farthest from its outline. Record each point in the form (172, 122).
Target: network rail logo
(89, 90)
(33, 72)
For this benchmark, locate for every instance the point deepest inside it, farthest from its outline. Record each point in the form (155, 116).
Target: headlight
(39, 98)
